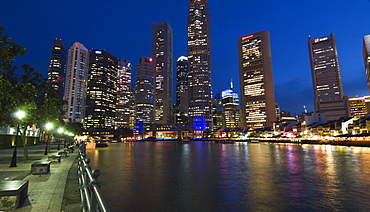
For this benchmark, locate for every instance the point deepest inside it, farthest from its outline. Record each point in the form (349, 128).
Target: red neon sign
(247, 37)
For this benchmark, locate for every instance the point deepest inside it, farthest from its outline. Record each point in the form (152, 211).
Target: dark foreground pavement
(54, 192)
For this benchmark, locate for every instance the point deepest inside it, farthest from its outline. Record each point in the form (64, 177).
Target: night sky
(123, 28)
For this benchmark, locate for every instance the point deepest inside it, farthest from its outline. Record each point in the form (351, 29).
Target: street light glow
(60, 130)
(48, 126)
(20, 114)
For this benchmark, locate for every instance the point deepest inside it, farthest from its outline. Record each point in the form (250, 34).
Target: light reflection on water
(202, 176)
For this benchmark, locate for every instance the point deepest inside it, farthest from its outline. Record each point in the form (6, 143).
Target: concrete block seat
(40, 167)
(55, 158)
(13, 194)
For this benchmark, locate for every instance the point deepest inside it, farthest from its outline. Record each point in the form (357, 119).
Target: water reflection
(201, 176)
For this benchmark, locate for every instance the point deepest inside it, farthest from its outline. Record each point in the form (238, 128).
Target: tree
(28, 91)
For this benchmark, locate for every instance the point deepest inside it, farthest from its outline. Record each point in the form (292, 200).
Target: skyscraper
(182, 90)
(256, 81)
(101, 94)
(76, 82)
(144, 96)
(124, 94)
(57, 67)
(162, 58)
(199, 67)
(366, 55)
(326, 78)
(231, 110)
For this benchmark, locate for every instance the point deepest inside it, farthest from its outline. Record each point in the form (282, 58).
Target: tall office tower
(144, 96)
(231, 110)
(76, 82)
(57, 67)
(326, 78)
(199, 67)
(162, 58)
(124, 94)
(256, 81)
(366, 54)
(182, 90)
(101, 94)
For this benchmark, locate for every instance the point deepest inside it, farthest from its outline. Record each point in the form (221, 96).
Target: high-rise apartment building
(101, 97)
(326, 78)
(231, 110)
(124, 94)
(57, 67)
(366, 55)
(199, 67)
(217, 112)
(162, 60)
(144, 96)
(182, 90)
(256, 81)
(76, 82)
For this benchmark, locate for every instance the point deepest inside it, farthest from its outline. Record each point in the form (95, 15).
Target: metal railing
(91, 196)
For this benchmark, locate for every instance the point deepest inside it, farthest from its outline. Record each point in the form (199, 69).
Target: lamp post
(60, 131)
(48, 126)
(19, 114)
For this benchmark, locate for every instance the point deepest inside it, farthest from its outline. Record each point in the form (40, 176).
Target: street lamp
(60, 131)
(48, 126)
(19, 115)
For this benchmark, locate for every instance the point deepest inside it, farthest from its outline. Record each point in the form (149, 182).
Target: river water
(205, 176)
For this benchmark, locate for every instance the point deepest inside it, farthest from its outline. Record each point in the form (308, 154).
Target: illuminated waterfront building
(360, 106)
(256, 81)
(124, 94)
(326, 78)
(231, 110)
(144, 96)
(199, 67)
(76, 82)
(217, 112)
(366, 55)
(162, 60)
(182, 90)
(57, 67)
(101, 94)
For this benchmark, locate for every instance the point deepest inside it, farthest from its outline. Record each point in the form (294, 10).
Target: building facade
(360, 106)
(366, 55)
(182, 90)
(256, 81)
(199, 67)
(163, 72)
(326, 78)
(124, 94)
(144, 96)
(57, 67)
(101, 98)
(76, 82)
(231, 110)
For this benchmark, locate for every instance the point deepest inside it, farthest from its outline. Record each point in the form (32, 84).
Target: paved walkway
(45, 190)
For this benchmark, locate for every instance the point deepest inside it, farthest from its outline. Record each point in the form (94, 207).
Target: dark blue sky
(123, 28)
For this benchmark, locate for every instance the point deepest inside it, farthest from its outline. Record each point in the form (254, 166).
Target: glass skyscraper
(57, 67)
(124, 94)
(199, 67)
(101, 94)
(163, 72)
(326, 78)
(256, 81)
(366, 55)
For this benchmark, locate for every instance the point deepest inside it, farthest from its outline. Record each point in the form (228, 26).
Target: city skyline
(35, 25)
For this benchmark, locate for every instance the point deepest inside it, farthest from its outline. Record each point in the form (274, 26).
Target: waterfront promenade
(46, 192)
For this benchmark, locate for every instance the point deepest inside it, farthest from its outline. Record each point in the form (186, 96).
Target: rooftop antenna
(231, 84)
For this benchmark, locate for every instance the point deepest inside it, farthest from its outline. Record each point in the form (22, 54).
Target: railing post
(94, 182)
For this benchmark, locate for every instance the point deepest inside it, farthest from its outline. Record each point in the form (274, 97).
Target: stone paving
(45, 191)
